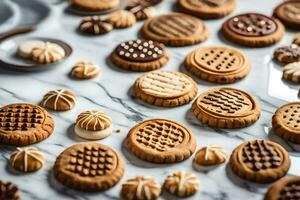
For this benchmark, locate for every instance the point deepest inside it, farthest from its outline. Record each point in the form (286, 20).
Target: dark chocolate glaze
(292, 50)
(252, 25)
(290, 191)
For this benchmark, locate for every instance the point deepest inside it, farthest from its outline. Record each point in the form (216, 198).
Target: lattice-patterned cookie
(260, 161)
(287, 188)
(253, 29)
(175, 29)
(286, 122)
(218, 64)
(9, 191)
(289, 13)
(166, 89)
(207, 9)
(24, 124)
(141, 188)
(140, 55)
(291, 72)
(59, 100)
(89, 167)
(182, 184)
(226, 108)
(161, 141)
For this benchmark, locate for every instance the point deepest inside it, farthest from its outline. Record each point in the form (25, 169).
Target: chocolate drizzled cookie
(287, 54)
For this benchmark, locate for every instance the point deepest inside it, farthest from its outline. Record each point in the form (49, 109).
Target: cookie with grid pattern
(226, 108)
(287, 188)
(207, 9)
(218, 64)
(89, 167)
(165, 88)
(253, 30)
(286, 122)
(24, 124)
(161, 141)
(260, 161)
(175, 29)
(289, 14)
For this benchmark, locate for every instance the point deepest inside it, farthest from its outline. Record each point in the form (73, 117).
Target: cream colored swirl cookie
(48, 53)
(93, 125)
(291, 72)
(59, 100)
(165, 88)
(28, 159)
(122, 19)
(182, 184)
(209, 157)
(85, 70)
(141, 188)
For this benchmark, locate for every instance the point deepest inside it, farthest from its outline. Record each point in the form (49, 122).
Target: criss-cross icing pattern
(20, 117)
(165, 84)
(290, 191)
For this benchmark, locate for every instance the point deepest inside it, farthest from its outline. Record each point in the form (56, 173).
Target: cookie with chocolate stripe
(253, 30)
(140, 55)
(289, 13)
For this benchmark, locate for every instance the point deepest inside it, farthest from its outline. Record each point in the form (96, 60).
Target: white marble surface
(112, 93)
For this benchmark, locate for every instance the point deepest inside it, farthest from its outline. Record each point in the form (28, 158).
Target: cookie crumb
(118, 130)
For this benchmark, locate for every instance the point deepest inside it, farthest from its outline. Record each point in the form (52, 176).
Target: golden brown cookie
(260, 161)
(140, 188)
(48, 53)
(89, 167)
(161, 141)
(286, 122)
(287, 188)
(288, 13)
(209, 157)
(287, 54)
(122, 19)
(28, 159)
(93, 125)
(24, 124)
(165, 88)
(95, 5)
(9, 191)
(182, 184)
(296, 39)
(175, 29)
(253, 30)
(85, 70)
(95, 25)
(218, 64)
(59, 100)
(291, 72)
(226, 108)
(140, 55)
(142, 9)
(207, 9)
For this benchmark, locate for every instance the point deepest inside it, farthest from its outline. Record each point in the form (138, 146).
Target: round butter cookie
(28, 159)
(93, 125)
(140, 55)
(175, 29)
(161, 141)
(59, 100)
(287, 54)
(140, 188)
(48, 53)
(287, 188)
(95, 5)
(25, 48)
(182, 184)
(24, 124)
(218, 64)
(207, 9)
(288, 13)
(253, 30)
(9, 191)
(95, 25)
(122, 19)
(286, 122)
(85, 70)
(260, 161)
(226, 108)
(291, 72)
(89, 167)
(166, 89)
(209, 157)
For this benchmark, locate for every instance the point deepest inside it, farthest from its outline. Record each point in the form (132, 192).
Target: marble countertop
(111, 93)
